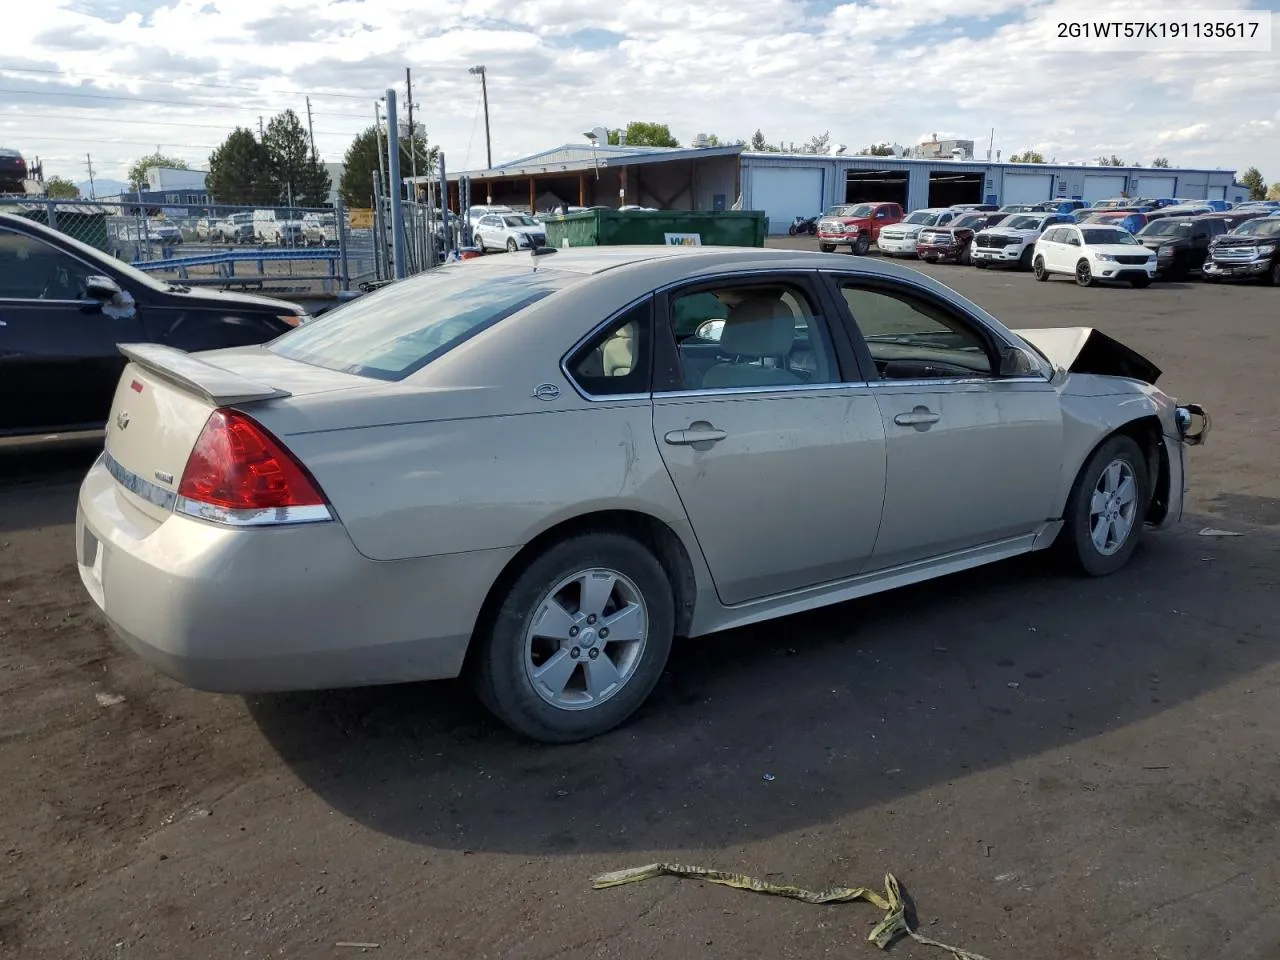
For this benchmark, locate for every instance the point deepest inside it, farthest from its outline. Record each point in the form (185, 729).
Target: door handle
(919, 417)
(695, 434)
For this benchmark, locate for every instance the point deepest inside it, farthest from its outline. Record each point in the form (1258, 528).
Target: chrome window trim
(139, 486)
(599, 328)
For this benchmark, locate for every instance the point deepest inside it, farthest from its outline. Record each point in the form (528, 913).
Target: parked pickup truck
(1250, 250)
(955, 240)
(901, 238)
(855, 225)
(1014, 240)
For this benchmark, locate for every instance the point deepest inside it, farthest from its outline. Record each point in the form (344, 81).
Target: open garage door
(1022, 187)
(785, 193)
(1101, 186)
(946, 189)
(1156, 188)
(876, 186)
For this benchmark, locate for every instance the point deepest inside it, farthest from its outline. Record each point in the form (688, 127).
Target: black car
(64, 306)
(1181, 244)
(1250, 250)
(13, 171)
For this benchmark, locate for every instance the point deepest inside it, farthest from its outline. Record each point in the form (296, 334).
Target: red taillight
(239, 473)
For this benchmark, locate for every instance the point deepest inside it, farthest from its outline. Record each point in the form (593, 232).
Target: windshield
(857, 210)
(1024, 223)
(519, 220)
(925, 217)
(970, 220)
(1262, 227)
(389, 334)
(1166, 228)
(1097, 236)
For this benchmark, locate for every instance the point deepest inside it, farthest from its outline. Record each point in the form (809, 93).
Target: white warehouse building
(785, 186)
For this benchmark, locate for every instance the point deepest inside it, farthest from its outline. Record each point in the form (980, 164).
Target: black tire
(512, 246)
(862, 245)
(792, 231)
(1140, 283)
(1084, 274)
(1076, 542)
(1272, 277)
(827, 247)
(1024, 261)
(966, 259)
(1041, 272)
(498, 670)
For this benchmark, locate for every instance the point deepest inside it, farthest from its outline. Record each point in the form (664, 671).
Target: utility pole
(484, 92)
(89, 160)
(413, 141)
(397, 207)
(311, 134)
(377, 132)
(261, 132)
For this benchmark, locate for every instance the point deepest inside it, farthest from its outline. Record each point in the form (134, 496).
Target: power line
(132, 99)
(194, 83)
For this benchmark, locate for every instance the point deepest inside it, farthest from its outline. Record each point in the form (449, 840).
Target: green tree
(819, 143)
(297, 175)
(758, 143)
(644, 134)
(1111, 161)
(876, 150)
(60, 188)
(240, 171)
(1252, 178)
(1274, 192)
(138, 169)
(1161, 162)
(1027, 156)
(361, 161)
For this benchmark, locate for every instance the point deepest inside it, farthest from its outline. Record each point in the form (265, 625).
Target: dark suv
(13, 171)
(1181, 244)
(1250, 250)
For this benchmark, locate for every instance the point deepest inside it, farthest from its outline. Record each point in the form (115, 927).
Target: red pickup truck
(855, 224)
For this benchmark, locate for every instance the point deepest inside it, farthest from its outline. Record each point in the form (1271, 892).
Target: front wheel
(792, 231)
(578, 641)
(1024, 261)
(1107, 508)
(862, 245)
(511, 246)
(966, 259)
(1273, 275)
(1084, 275)
(827, 247)
(1041, 271)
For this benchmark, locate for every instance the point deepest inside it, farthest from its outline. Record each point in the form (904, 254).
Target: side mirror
(710, 330)
(1016, 362)
(101, 288)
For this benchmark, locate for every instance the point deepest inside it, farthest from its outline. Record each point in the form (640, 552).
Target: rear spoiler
(219, 386)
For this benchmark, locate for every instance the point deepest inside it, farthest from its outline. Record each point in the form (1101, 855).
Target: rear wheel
(862, 245)
(1107, 508)
(1041, 271)
(1084, 275)
(578, 641)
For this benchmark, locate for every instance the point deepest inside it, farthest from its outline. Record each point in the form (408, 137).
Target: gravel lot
(1054, 768)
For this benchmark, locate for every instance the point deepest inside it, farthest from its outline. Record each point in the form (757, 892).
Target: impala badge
(122, 419)
(164, 477)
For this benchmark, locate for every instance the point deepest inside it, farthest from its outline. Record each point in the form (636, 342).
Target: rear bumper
(285, 608)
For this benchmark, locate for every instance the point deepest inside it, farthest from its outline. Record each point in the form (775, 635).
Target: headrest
(759, 327)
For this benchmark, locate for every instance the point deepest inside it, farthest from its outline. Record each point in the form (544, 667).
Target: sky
(117, 78)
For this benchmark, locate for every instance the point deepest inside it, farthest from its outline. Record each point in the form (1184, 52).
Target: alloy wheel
(1113, 508)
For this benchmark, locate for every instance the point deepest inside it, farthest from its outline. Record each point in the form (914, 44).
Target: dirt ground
(1053, 768)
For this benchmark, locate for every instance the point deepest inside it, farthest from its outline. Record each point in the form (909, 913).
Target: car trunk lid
(164, 398)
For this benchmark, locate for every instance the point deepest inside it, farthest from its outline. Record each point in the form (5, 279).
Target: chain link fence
(283, 250)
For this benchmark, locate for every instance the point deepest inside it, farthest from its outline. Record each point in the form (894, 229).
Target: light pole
(479, 71)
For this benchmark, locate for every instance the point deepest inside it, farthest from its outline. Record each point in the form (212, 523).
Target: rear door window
(396, 331)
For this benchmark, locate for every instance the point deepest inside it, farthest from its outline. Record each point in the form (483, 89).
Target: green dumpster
(706, 228)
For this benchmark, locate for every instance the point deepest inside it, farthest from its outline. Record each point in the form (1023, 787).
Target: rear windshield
(390, 334)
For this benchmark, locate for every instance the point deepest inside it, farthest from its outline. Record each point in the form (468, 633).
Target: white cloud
(865, 70)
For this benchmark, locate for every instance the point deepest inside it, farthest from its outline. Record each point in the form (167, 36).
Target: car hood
(846, 221)
(1086, 350)
(1117, 249)
(1155, 243)
(528, 230)
(908, 228)
(1010, 232)
(229, 299)
(1241, 240)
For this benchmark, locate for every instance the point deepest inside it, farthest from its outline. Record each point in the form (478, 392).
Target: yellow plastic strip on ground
(893, 926)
